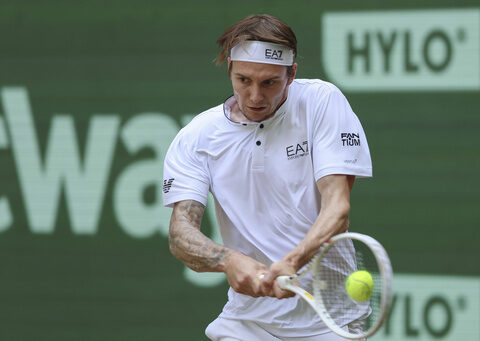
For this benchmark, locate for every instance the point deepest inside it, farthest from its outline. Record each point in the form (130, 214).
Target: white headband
(262, 52)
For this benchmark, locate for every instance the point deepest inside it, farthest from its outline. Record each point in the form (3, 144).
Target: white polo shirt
(263, 179)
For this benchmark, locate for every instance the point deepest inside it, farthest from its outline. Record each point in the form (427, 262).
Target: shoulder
(306, 88)
(193, 137)
(202, 124)
(205, 119)
(316, 94)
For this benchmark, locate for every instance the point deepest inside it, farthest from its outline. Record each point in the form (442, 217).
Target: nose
(256, 96)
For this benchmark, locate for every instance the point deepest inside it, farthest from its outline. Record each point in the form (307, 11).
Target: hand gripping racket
(335, 261)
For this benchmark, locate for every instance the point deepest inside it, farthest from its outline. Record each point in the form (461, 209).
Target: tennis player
(280, 157)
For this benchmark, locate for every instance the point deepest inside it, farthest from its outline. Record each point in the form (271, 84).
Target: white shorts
(223, 329)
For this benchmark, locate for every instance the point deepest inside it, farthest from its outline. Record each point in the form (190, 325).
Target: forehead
(258, 70)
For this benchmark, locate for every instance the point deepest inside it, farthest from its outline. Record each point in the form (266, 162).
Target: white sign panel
(403, 50)
(433, 308)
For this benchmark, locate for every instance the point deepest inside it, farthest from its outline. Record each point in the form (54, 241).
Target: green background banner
(92, 93)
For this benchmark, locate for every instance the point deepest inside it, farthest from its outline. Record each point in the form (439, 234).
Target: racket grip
(284, 281)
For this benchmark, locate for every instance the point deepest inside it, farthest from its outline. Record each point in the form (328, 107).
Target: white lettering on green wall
(83, 179)
(5, 212)
(41, 181)
(137, 218)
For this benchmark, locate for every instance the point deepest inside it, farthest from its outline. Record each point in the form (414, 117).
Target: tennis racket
(330, 268)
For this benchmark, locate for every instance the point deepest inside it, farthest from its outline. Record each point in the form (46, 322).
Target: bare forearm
(189, 244)
(322, 230)
(333, 219)
(197, 251)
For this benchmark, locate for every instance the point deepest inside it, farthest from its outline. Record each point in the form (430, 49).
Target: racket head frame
(385, 269)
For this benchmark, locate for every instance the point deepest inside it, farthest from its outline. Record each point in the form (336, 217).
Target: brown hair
(263, 27)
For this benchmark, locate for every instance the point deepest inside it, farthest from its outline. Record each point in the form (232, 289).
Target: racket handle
(290, 283)
(284, 281)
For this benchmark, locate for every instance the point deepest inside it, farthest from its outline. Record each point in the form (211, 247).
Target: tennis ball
(359, 285)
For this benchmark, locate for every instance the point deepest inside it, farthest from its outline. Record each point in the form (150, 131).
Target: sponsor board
(433, 308)
(403, 50)
(82, 179)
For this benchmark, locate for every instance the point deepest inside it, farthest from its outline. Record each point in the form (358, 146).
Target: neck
(237, 114)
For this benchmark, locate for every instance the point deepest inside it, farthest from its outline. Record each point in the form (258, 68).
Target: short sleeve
(185, 175)
(339, 142)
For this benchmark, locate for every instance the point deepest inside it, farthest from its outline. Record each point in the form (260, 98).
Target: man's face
(259, 88)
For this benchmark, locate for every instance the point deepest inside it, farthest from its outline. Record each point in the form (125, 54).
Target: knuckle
(243, 281)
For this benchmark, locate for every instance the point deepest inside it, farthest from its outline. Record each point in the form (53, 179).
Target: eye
(269, 82)
(243, 79)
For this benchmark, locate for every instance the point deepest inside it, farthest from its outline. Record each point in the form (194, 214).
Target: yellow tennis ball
(359, 285)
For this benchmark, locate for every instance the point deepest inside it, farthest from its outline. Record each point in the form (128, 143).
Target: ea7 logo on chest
(297, 150)
(350, 139)
(273, 54)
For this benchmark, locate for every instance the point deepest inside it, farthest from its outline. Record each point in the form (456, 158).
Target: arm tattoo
(189, 244)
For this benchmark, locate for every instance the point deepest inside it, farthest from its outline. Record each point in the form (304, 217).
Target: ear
(229, 65)
(294, 72)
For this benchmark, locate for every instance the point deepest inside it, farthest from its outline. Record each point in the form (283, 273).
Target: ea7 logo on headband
(273, 54)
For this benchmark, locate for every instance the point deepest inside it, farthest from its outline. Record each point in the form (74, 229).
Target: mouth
(256, 109)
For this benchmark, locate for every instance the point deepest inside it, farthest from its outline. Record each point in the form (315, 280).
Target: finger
(281, 293)
(268, 277)
(259, 286)
(271, 275)
(265, 285)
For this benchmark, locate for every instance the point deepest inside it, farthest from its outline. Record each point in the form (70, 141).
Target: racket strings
(345, 257)
(370, 264)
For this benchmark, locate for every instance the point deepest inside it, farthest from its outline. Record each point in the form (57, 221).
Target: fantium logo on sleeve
(297, 150)
(167, 184)
(350, 139)
(273, 54)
